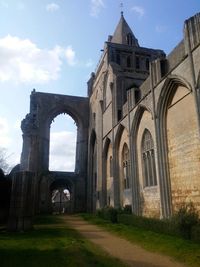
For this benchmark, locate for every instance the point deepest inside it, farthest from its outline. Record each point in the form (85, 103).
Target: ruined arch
(36, 129)
(177, 120)
(44, 108)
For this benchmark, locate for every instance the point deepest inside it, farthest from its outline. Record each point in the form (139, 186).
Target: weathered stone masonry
(138, 140)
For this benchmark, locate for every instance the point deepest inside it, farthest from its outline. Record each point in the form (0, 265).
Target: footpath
(129, 253)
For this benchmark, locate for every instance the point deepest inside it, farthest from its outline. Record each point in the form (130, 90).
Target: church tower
(113, 90)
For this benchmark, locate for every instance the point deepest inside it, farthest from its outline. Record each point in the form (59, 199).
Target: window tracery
(148, 160)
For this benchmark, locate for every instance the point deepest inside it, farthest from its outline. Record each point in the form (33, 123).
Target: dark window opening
(118, 59)
(147, 63)
(137, 62)
(119, 114)
(137, 95)
(163, 68)
(112, 56)
(128, 62)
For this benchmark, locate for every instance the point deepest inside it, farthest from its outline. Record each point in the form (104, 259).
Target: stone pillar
(22, 201)
(29, 156)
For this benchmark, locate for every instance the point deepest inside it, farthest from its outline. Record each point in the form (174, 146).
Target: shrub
(127, 209)
(108, 213)
(186, 218)
(164, 226)
(195, 233)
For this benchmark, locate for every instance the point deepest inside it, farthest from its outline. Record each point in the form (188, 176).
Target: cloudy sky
(53, 46)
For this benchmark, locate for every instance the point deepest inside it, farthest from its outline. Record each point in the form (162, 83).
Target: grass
(51, 244)
(181, 250)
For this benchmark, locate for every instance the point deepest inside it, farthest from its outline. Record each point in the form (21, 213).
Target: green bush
(164, 226)
(109, 214)
(195, 233)
(127, 209)
(185, 223)
(186, 218)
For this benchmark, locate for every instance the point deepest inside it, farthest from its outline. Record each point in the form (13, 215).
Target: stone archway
(44, 107)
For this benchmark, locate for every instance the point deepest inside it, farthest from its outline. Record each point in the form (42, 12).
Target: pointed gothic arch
(136, 201)
(125, 167)
(108, 189)
(175, 104)
(92, 172)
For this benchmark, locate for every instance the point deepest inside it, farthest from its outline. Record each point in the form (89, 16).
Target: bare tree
(4, 160)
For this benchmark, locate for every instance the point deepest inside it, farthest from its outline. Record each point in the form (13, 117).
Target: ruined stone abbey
(138, 133)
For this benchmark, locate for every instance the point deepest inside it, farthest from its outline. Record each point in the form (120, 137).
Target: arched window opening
(147, 64)
(128, 62)
(112, 56)
(148, 160)
(137, 62)
(118, 58)
(60, 200)
(125, 166)
(62, 144)
(137, 95)
(129, 39)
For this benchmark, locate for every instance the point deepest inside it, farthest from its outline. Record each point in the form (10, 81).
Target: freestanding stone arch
(44, 107)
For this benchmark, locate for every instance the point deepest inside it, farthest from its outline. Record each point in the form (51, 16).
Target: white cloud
(96, 6)
(62, 151)
(70, 56)
(17, 124)
(4, 130)
(52, 7)
(22, 61)
(138, 10)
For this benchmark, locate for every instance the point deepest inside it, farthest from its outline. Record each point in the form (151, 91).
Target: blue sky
(53, 46)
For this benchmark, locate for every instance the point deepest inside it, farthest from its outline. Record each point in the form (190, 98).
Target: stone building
(138, 139)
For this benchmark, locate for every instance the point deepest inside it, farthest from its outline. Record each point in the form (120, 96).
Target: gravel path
(129, 253)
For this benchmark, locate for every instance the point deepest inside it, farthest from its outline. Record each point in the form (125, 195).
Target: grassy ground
(177, 248)
(51, 244)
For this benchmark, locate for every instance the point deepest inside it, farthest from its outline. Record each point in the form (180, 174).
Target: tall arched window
(125, 166)
(62, 144)
(148, 160)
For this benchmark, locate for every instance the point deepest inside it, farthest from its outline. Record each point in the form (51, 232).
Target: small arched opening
(61, 196)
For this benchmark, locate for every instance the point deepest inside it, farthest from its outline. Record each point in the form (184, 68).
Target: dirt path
(129, 253)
